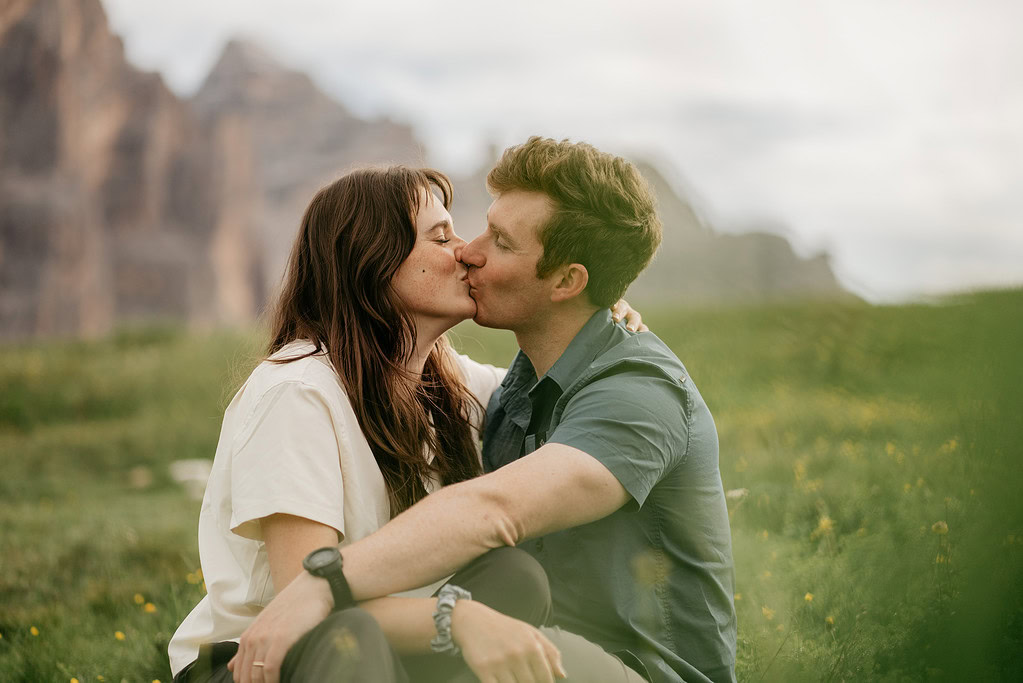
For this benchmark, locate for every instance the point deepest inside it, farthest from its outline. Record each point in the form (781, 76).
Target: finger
(540, 664)
(272, 670)
(643, 328)
(243, 667)
(553, 655)
(633, 319)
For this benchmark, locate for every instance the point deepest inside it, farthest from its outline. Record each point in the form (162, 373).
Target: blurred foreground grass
(872, 455)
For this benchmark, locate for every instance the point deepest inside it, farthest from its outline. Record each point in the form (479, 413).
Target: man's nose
(470, 254)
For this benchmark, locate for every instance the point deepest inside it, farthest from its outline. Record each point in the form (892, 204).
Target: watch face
(321, 558)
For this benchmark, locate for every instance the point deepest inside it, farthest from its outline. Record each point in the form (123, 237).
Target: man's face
(502, 262)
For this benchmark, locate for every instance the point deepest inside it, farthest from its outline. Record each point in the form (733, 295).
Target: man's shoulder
(637, 354)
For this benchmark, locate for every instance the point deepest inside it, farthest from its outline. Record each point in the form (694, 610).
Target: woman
(361, 409)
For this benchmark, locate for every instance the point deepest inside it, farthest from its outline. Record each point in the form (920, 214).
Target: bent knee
(520, 576)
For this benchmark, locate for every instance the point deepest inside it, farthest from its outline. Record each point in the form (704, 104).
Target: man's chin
(482, 320)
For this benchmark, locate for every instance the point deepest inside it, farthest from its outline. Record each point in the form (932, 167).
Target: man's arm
(554, 488)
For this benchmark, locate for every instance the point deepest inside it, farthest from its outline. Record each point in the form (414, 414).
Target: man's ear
(570, 281)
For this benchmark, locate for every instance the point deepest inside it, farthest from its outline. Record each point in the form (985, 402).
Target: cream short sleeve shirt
(290, 443)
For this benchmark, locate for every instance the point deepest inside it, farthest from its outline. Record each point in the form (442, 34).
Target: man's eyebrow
(501, 233)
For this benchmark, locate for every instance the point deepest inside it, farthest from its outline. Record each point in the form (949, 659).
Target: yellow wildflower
(762, 535)
(119, 635)
(149, 608)
(737, 597)
(34, 631)
(139, 599)
(766, 574)
(862, 531)
(829, 620)
(767, 612)
(940, 528)
(74, 680)
(808, 597)
(780, 627)
(907, 487)
(825, 525)
(889, 448)
(940, 559)
(920, 482)
(100, 678)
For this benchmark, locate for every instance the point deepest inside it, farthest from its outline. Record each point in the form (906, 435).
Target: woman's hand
(297, 609)
(633, 320)
(498, 648)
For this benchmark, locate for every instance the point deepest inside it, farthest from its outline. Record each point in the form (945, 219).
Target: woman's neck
(426, 337)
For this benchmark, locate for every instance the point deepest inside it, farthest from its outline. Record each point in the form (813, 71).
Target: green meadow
(871, 455)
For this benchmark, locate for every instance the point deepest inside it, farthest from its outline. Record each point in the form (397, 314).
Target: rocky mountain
(109, 187)
(298, 138)
(120, 202)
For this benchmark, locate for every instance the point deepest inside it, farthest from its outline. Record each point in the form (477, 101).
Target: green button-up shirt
(653, 580)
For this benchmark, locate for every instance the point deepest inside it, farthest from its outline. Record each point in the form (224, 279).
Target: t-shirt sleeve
(635, 426)
(481, 379)
(287, 460)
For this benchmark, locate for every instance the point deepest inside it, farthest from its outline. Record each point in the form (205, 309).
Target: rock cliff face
(108, 187)
(119, 202)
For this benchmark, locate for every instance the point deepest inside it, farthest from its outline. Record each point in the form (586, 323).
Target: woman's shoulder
(296, 363)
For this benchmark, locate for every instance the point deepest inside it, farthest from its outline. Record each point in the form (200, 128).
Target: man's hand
(303, 604)
(499, 648)
(633, 320)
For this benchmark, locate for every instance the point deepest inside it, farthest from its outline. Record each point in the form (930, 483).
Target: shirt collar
(583, 348)
(579, 353)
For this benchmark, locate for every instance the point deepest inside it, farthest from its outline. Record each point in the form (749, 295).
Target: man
(601, 454)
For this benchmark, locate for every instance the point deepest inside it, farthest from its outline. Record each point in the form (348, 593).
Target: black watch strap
(339, 587)
(325, 563)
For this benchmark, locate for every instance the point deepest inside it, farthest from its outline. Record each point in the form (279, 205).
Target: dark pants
(349, 646)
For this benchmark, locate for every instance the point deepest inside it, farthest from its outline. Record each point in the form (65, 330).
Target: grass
(872, 454)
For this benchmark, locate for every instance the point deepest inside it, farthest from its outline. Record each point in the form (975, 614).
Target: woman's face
(431, 281)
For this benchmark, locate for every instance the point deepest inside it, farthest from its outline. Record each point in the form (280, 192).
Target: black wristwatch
(326, 564)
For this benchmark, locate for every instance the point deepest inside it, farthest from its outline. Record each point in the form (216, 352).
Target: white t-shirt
(290, 443)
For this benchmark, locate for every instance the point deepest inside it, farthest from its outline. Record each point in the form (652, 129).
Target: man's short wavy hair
(603, 211)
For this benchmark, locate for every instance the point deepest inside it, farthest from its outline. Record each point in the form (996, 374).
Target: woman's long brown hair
(337, 294)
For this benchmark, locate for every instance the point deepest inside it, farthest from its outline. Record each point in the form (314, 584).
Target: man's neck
(544, 343)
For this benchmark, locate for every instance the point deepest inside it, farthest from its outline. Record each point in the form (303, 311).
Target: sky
(888, 133)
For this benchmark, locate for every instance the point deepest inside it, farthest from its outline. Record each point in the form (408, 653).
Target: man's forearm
(429, 541)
